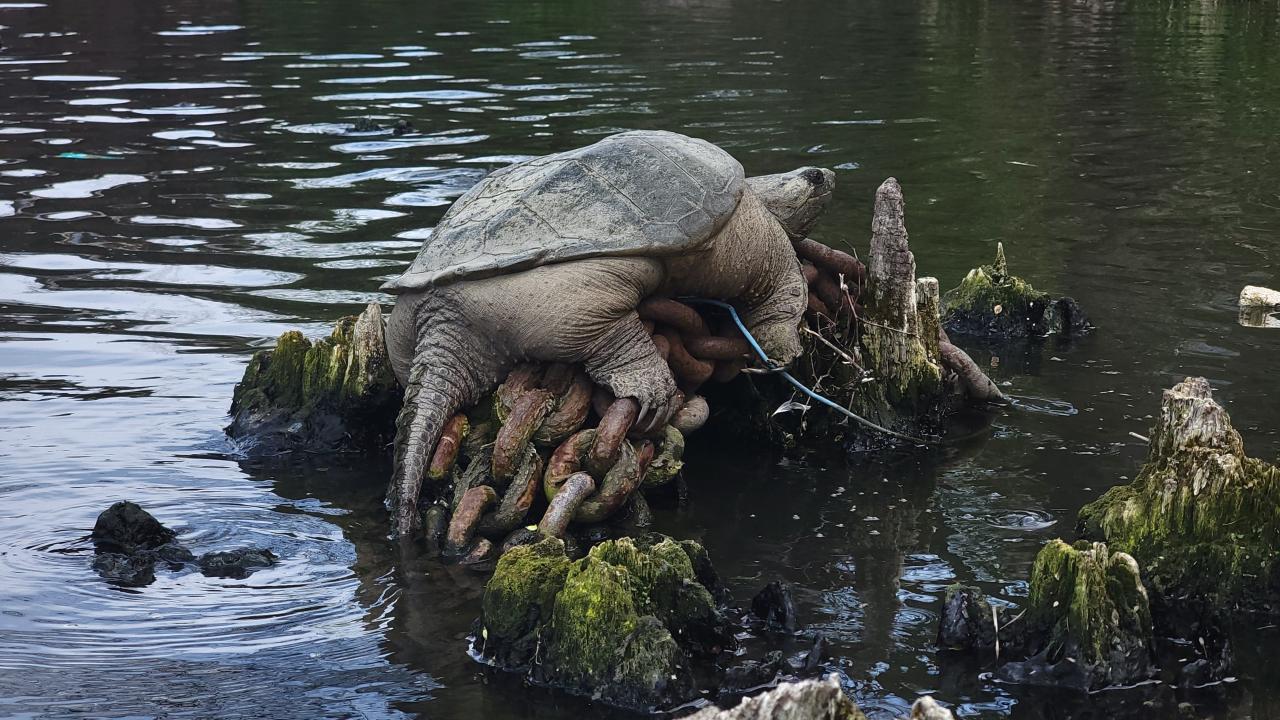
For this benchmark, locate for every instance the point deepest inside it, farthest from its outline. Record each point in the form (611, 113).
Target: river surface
(178, 185)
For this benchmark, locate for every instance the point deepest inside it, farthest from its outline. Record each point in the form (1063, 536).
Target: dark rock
(775, 606)
(750, 675)
(968, 620)
(235, 563)
(126, 570)
(369, 125)
(129, 542)
(813, 658)
(126, 528)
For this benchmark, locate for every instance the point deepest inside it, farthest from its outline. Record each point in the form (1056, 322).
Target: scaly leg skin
(626, 361)
(452, 367)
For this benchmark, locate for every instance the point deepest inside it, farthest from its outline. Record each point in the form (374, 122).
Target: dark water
(175, 190)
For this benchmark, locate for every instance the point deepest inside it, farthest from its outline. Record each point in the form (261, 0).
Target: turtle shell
(634, 193)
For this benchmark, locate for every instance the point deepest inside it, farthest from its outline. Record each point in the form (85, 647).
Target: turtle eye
(814, 176)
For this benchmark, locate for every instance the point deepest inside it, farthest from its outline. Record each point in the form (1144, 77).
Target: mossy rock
(1087, 605)
(993, 303)
(519, 598)
(1202, 518)
(1086, 623)
(335, 394)
(623, 625)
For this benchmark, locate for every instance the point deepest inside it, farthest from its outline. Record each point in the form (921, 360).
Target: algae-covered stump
(625, 625)
(1201, 517)
(873, 344)
(1086, 623)
(337, 393)
(992, 303)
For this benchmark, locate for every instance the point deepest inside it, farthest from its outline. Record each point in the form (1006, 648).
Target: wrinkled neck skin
(752, 264)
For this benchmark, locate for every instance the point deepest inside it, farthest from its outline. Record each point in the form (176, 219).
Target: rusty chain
(532, 437)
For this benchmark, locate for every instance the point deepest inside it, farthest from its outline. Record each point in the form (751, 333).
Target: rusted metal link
(689, 371)
(527, 414)
(692, 415)
(665, 311)
(644, 454)
(467, 515)
(610, 435)
(666, 462)
(522, 378)
(711, 347)
(727, 370)
(446, 454)
(818, 307)
(614, 488)
(570, 411)
(810, 272)
(517, 499)
(565, 504)
(977, 385)
(557, 377)
(619, 478)
(566, 460)
(834, 260)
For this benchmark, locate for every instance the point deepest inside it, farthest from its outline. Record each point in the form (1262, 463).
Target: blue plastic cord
(791, 379)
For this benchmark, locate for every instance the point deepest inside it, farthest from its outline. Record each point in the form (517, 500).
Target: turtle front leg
(775, 318)
(626, 361)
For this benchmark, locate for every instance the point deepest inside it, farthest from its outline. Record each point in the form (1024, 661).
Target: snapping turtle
(547, 259)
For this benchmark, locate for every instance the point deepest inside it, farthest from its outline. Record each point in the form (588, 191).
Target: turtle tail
(442, 380)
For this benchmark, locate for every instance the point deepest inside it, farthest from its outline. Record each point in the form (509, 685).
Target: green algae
(336, 393)
(1201, 517)
(594, 613)
(1086, 623)
(990, 300)
(1088, 603)
(522, 591)
(622, 624)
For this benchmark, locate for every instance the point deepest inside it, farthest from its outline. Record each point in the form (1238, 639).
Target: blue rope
(751, 340)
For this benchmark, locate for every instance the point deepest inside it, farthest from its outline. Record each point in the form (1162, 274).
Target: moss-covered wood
(1202, 518)
(1086, 622)
(991, 302)
(337, 393)
(625, 624)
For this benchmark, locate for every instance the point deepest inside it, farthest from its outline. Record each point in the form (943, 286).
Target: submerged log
(1201, 515)
(1086, 624)
(993, 303)
(335, 394)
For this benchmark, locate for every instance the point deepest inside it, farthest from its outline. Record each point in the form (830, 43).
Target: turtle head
(796, 198)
